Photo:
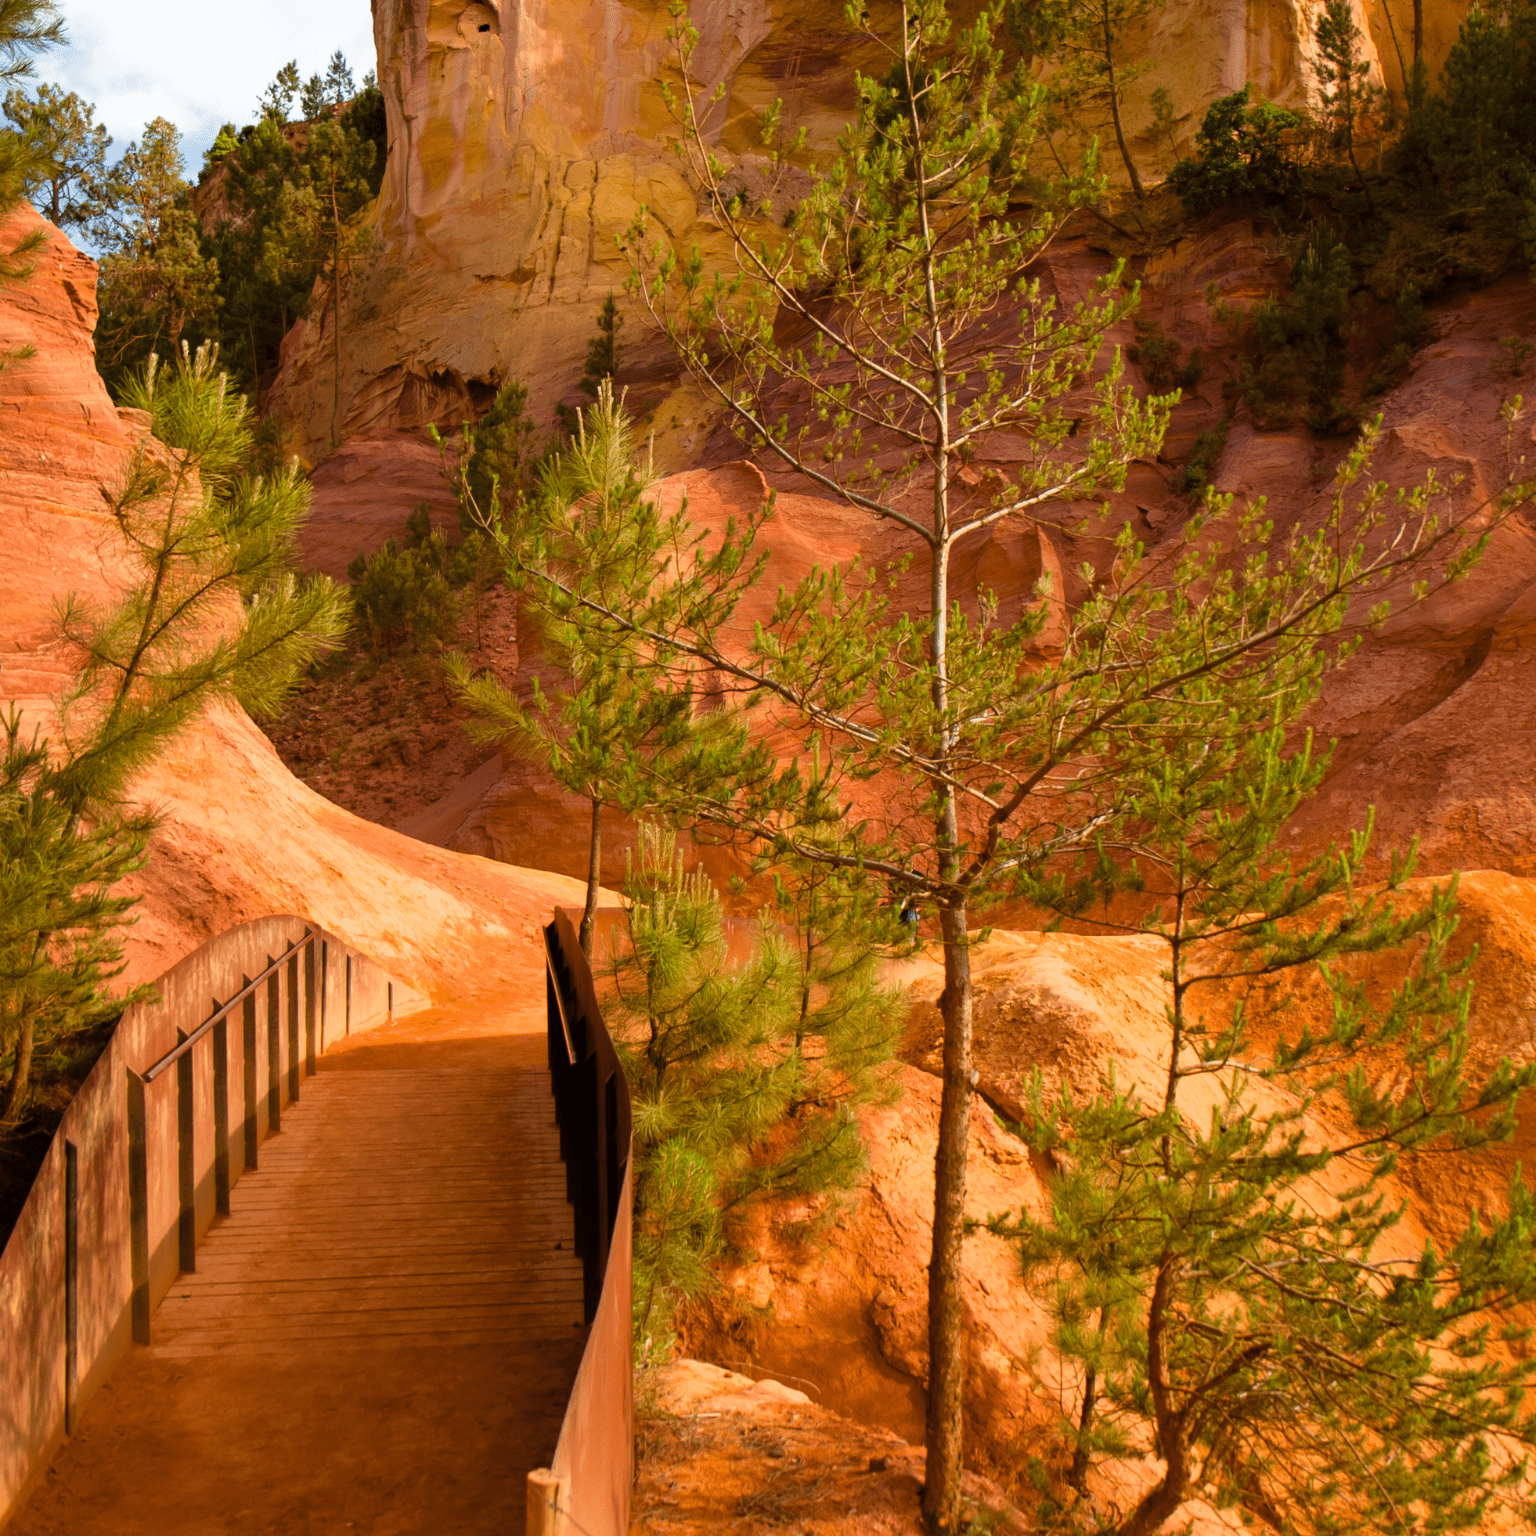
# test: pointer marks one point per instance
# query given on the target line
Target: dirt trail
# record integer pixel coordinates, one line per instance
(380, 1338)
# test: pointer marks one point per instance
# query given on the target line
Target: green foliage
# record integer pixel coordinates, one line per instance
(27, 28)
(1086, 42)
(1201, 465)
(60, 921)
(1296, 367)
(1222, 1244)
(1158, 355)
(1344, 71)
(156, 284)
(1514, 353)
(730, 1104)
(209, 610)
(401, 594)
(500, 464)
(277, 100)
(602, 361)
(1242, 150)
(67, 179)
(606, 732)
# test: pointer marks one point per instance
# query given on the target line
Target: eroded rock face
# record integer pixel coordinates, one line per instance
(523, 139)
(239, 837)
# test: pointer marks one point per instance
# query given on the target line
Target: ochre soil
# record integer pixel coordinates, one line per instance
(383, 737)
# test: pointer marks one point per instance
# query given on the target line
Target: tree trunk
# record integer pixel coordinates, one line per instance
(946, 1329)
(1114, 109)
(1164, 1499)
(594, 877)
(336, 233)
(1417, 85)
(21, 1072)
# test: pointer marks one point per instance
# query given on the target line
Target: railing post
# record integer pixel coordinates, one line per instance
(349, 994)
(186, 1166)
(138, 1208)
(71, 1285)
(248, 1021)
(325, 963)
(274, 1056)
(549, 1497)
(220, 1115)
(309, 1007)
(293, 1026)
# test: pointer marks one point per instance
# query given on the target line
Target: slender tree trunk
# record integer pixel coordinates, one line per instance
(1114, 108)
(594, 878)
(335, 323)
(1166, 1497)
(1418, 84)
(1077, 1474)
(946, 1322)
(21, 1072)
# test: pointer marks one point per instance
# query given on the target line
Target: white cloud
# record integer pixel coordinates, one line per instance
(197, 63)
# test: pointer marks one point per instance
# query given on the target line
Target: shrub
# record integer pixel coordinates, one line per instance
(1242, 150)
(401, 594)
(1158, 356)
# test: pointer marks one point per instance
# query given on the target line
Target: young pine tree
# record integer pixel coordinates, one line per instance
(604, 729)
(1228, 1275)
(1087, 41)
(714, 1053)
(209, 610)
(60, 917)
(875, 346)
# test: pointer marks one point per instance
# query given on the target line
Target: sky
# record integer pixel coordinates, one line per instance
(199, 63)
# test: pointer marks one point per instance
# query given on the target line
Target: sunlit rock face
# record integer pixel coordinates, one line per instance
(526, 134)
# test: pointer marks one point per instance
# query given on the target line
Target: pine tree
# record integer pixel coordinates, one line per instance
(602, 732)
(602, 361)
(901, 271)
(1345, 74)
(60, 919)
(68, 179)
(1086, 41)
(727, 1105)
(1216, 1239)
(156, 284)
(211, 611)
(277, 100)
(27, 28)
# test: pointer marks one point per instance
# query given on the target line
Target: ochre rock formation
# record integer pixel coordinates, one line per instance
(239, 836)
(523, 140)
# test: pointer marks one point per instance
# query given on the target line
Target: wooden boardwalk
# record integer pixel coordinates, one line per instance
(381, 1336)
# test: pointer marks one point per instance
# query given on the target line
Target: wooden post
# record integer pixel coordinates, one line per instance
(549, 1500)
(309, 1008)
(138, 1208)
(186, 1165)
(293, 1026)
(221, 1115)
(71, 1286)
(274, 1055)
(248, 1020)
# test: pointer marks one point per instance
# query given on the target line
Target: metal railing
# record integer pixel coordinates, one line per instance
(586, 1487)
